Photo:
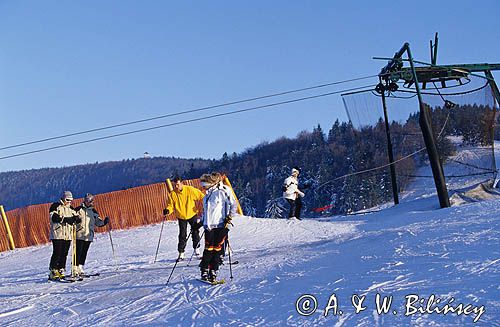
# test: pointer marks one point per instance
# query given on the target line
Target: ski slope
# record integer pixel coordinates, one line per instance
(413, 248)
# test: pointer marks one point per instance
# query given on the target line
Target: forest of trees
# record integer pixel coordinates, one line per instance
(21, 188)
(258, 173)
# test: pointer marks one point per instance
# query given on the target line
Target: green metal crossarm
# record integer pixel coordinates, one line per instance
(469, 67)
(455, 71)
(473, 67)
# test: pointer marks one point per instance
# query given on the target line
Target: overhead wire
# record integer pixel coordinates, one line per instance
(182, 122)
(186, 112)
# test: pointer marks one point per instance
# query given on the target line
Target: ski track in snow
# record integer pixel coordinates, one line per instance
(414, 248)
(447, 252)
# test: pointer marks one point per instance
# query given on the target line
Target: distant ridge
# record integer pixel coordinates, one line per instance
(34, 186)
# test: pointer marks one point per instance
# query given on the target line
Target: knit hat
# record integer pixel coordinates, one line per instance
(89, 198)
(67, 195)
(295, 170)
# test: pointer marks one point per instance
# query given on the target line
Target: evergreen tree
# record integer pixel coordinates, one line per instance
(274, 209)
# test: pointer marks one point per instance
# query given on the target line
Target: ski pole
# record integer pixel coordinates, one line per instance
(112, 245)
(235, 262)
(197, 245)
(230, 264)
(159, 239)
(177, 261)
(73, 256)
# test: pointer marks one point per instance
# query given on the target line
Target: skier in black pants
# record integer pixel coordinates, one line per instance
(182, 202)
(85, 230)
(62, 216)
(292, 194)
(219, 206)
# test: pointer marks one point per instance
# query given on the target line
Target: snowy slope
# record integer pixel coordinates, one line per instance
(413, 248)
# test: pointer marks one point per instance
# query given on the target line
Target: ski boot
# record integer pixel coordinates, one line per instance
(204, 274)
(212, 276)
(61, 273)
(54, 274)
(197, 251)
(181, 256)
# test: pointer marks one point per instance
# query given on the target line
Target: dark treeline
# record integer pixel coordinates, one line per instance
(258, 173)
(21, 188)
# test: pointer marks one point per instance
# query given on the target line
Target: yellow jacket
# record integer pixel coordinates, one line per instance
(183, 203)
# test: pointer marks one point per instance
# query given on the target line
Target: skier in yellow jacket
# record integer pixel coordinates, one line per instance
(182, 202)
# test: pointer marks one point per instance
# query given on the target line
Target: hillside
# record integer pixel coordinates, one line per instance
(21, 188)
(257, 174)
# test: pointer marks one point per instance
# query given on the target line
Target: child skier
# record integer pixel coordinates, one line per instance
(219, 206)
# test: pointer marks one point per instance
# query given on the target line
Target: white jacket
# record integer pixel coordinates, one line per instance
(90, 219)
(291, 186)
(218, 203)
(60, 230)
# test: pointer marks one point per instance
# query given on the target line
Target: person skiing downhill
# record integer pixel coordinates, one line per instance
(85, 231)
(182, 201)
(62, 217)
(219, 206)
(292, 194)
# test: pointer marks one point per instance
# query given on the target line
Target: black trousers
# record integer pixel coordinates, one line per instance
(82, 248)
(60, 250)
(195, 234)
(214, 243)
(295, 206)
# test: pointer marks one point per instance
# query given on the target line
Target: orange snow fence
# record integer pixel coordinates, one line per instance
(128, 208)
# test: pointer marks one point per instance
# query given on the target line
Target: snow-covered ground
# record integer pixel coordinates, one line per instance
(460, 176)
(414, 248)
(410, 249)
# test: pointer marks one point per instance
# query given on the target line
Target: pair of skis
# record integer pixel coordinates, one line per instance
(72, 279)
(75, 276)
(215, 282)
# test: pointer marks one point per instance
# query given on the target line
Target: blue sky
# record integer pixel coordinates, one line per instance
(76, 65)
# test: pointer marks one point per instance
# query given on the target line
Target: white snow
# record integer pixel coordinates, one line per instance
(414, 248)
(410, 249)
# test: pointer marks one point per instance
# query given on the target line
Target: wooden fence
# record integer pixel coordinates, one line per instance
(128, 208)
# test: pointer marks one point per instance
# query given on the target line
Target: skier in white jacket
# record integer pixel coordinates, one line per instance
(219, 206)
(90, 218)
(292, 194)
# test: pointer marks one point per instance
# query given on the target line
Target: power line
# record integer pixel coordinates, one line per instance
(182, 122)
(185, 112)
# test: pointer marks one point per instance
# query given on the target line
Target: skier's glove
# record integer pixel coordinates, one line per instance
(166, 212)
(77, 219)
(198, 224)
(69, 220)
(106, 221)
(56, 218)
